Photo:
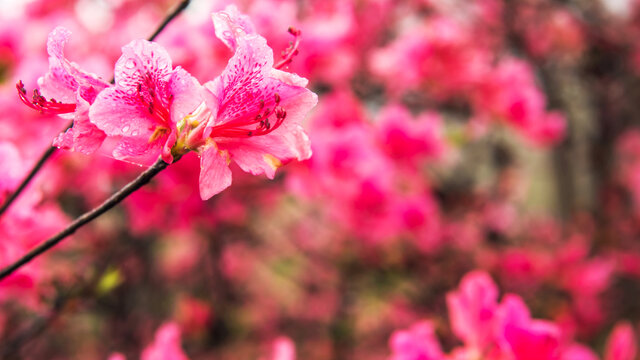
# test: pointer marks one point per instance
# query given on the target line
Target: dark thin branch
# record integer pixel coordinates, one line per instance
(116, 198)
(183, 5)
(52, 150)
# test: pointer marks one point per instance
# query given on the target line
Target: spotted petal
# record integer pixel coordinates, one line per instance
(65, 78)
(230, 26)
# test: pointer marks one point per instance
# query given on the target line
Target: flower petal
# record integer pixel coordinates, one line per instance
(187, 94)
(138, 150)
(84, 136)
(65, 78)
(142, 61)
(244, 82)
(215, 174)
(119, 114)
(230, 25)
(265, 154)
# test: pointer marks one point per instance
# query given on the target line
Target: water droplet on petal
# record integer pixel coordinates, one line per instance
(125, 128)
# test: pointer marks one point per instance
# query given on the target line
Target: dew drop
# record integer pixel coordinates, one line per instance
(125, 128)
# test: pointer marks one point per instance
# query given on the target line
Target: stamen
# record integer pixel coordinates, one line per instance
(291, 51)
(263, 126)
(40, 103)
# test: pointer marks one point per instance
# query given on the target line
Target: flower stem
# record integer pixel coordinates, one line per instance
(51, 150)
(85, 218)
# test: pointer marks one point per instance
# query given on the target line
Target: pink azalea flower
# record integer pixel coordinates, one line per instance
(578, 352)
(251, 114)
(419, 215)
(166, 345)
(621, 344)
(472, 309)
(494, 331)
(283, 348)
(71, 91)
(527, 339)
(140, 113)
(417, 343)
(509, 93)
(553, 32)
(439, 55)
(409, 140)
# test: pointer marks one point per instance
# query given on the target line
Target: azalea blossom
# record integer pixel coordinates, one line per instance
(251, 111)
(499, 330)
(249, 114)
(71, 90)
(141, 111)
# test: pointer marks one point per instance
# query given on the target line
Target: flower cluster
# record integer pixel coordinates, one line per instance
(249, 114)
(491, 330)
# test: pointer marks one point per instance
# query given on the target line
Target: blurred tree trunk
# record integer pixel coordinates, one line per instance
(567, 90)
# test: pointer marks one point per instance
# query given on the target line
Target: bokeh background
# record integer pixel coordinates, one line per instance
(450, 136)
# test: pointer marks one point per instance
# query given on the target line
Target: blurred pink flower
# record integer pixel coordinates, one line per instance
(438, 55)
(509, 93)
(621, 344)
(556, 33)
(166, 345)
(417, 343)
(408, 140)
(472, 309)
(283, 348)
(490, 330)
(527, 339)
